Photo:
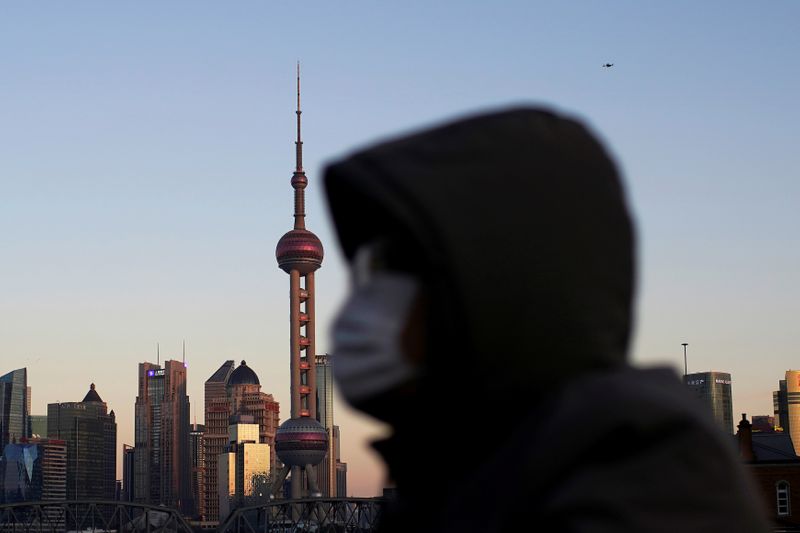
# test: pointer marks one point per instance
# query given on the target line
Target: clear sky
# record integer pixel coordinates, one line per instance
(146, 150)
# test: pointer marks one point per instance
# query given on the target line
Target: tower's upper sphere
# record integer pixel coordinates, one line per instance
(301, 441)
(299, 250)
(299, 180)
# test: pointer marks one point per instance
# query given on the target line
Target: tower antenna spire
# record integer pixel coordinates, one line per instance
(299, 142)
(158, 354)
(184, 352)
(299, 180)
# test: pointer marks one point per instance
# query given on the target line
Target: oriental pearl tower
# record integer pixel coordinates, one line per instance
(301, 442)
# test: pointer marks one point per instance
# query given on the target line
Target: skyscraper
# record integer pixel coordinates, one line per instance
(217, 413)
(128, 462)
(198, 464)
(13, 406)
(162, 474)
(793, 407)
(780, 406)
(33, 470)
(714, 389)
(232, 392)
(246, 398)
(38, 426)
(326, 471)
(90, 433)
(341, 468)
(301, 442)
(28, 409)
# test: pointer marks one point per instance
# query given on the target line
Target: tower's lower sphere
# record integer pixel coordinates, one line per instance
(301, 441)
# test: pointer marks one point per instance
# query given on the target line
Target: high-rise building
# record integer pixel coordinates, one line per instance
(245, 397)
(301, 442)
(232, 392)
(217, 413)
(198, 464)
(128, 462)
(162, 474)
(13, 406)
(38, 425)
(780, 406)
(90, 433)
(714, 390)
(341, 468)
(28, 408)
(341, 479)
(326, 471)
(34, 470)
(793, 407)
(244, 467)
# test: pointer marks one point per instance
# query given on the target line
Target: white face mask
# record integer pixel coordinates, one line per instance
(368, 357)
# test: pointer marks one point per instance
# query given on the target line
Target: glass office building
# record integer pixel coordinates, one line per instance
(198, 464)
(714, 390)
(35, 470)
(90, 432)
(780, 406)
(14, 423)
(326, 470)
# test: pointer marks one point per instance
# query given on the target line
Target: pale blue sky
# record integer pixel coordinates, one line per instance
(146, 150)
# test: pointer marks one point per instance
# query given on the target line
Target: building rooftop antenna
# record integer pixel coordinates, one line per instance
(685, 361)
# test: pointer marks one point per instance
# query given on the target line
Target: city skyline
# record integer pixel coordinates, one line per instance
(144, 179)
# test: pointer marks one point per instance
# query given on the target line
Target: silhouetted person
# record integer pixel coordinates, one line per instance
(488, 323)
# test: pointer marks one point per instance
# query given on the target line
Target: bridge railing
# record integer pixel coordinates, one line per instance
(321, 515)
(83, 516)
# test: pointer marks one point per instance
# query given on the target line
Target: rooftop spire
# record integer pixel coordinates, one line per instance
(299, 180)
(299, 142)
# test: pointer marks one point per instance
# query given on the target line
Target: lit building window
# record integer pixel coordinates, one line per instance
(782, 493)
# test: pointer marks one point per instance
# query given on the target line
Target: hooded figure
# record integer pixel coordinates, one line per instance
(488, 323)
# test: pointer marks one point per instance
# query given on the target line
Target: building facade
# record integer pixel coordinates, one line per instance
(763, 423)
(793, 406)
(243, 468)
(198, 465)
(128, 462)
(14, 423)
(714, 390)
(162, 474)
(775, 469)
(326, 471)
(233, 392)
(90, 433)
(38, 426)
(217, 413)
(34, 470)
(780, 406)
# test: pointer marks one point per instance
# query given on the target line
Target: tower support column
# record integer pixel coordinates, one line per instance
(294, 326)
(311, 350)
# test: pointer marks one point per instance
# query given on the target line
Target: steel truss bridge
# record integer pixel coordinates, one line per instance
(319, 515)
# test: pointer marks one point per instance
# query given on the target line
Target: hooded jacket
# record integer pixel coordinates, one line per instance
(528, 410)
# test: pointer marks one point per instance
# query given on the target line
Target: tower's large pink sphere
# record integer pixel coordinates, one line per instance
(301, 441)
(299, 250)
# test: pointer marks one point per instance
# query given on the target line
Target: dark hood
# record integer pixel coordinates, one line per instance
(525, 243)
